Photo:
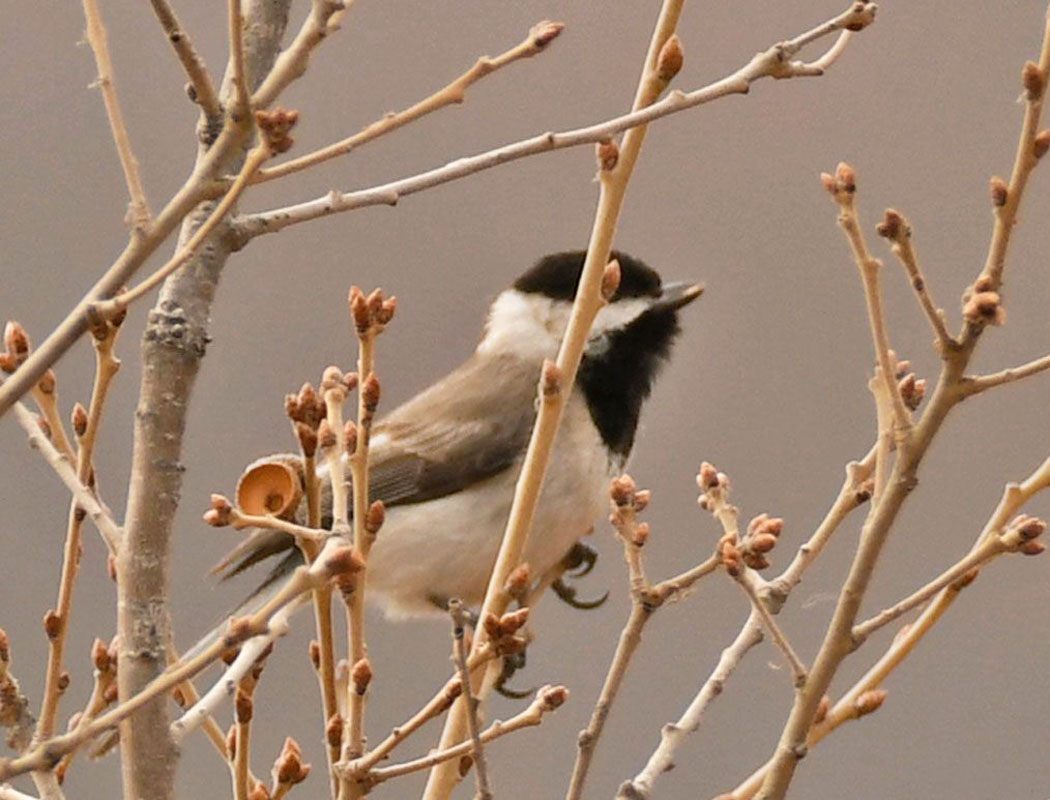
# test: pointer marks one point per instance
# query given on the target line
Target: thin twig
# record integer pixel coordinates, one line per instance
(1014, 497)
(774, 62)
(201, 87)
(971, 385)
(106, 366)
(547, 699)
(646, 599)
(111, 532)
(459, 657)
(852, 493)
(138, 211)
(258, 156)
(896, 227)
(746, 581)
(238, 78)
(453, 93)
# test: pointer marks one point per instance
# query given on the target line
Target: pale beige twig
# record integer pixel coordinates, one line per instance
(138, 211)
(106, 366)
(111, 532)
(201, 87)
(975, 384)
(10, 793)
(775, 62)
(747, 581)
(897, 229)
(646, 599)
(237, 77)
(842, 187)
(853, 492)
(256, 158)
(1014, 497)
(459, 658)
(838, 640)
(451, 94)
(547, 699)
(293, 60)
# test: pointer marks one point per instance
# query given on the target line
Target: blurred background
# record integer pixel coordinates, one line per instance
(769, 381)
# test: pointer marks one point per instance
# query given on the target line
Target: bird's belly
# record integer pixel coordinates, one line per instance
(444, 548)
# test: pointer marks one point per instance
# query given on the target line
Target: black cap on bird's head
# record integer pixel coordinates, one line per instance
(630, 339)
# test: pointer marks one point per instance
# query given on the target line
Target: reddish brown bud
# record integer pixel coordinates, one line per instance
(607, 153)
(100, 657)
(641, 534)
(361, 675)
(466, 762)
(315, 653)
(552, 697)
(763, 542)
(45, 426)
(350, 436)
(730, 557)
(48, 382)
(512, 621)
(1041, 143)
(289, 768)
(275, 126)
(52, 625)
(545, 32)
(998, 190)
(1033, 80)
(845, 178)
(984, 307)
(344, 561)
(370, 393)
(707, 478)
(333, 731)
(375, 517)
(5, 647)
(16, 342)
(754, 560)
(870, 701)
(359, 310)
(63, 681)
(893, 226)
(669, 62)
(243, 707)
(827, 180)
(110, 694)
(332, 381)
(1032, 548)
(325, 435)
(610, 280)
(622, 490)
(1028, 527)
(79, 418)
(641, 499)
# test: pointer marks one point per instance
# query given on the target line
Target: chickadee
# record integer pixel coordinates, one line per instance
(446, 462)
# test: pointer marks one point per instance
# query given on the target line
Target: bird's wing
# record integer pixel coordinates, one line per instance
(471, 425)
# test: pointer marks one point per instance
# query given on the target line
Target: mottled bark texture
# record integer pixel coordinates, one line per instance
(173, 345)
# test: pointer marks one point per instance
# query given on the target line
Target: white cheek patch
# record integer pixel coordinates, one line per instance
(527, 326)
(619, 314)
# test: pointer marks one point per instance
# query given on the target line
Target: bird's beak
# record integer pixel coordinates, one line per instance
(674, 296)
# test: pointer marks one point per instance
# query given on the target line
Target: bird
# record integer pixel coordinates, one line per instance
(445, 462)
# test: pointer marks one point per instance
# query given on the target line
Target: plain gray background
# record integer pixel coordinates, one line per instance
(769, 380)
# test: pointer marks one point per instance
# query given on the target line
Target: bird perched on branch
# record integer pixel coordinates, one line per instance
(445, 463)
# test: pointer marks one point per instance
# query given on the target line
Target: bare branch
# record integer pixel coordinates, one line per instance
(770, 63)
(138, 211)
(453, 93)
(459, 657)
(976, 384)
(897, 229)
(201, 88)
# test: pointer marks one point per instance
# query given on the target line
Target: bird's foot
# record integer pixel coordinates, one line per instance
(579, 561)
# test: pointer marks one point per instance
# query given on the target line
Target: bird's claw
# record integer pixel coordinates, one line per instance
(580, 560)
(567, 594)
(511, 664)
